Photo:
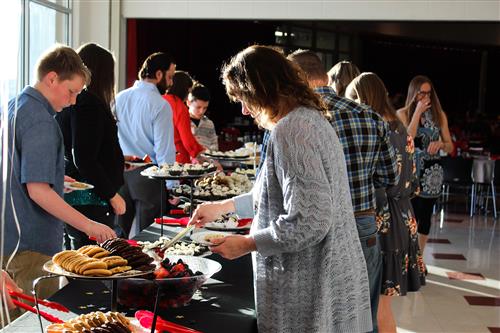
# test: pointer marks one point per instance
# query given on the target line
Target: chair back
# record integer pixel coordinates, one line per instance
(497, 172)
(457, 170)
(483, 171)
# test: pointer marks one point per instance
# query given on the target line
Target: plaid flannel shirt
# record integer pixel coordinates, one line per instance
(369, 155)
(263, 150)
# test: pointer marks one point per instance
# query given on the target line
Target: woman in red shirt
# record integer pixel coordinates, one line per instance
(186, 144)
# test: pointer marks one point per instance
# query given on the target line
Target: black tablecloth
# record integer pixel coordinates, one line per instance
(225, 306)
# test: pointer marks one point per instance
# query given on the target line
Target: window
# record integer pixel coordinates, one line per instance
(325, 40)
(31, 27)
(48, 23)
(301, 37)
(10, 20)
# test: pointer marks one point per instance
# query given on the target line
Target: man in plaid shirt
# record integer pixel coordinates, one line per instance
(370, 160)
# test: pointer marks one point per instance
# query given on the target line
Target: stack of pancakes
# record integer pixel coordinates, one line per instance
(135, 257)
(94, 322)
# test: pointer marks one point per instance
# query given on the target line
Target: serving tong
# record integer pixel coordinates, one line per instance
(178, 237)
(147, 320)
(47, 316)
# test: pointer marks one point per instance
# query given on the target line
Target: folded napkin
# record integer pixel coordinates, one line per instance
(244, 222)
(132, 242)
(183, 221)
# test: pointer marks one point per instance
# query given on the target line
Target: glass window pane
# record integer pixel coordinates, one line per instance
(10, 20)
(280, 35)
(328, 61)
(46, 27)
(344, 56)
(344, 43)
(325, 40)
(301, 37)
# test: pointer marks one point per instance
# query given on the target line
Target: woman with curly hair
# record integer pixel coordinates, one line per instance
(309, 270)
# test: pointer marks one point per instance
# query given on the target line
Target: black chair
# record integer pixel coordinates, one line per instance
(457, 176)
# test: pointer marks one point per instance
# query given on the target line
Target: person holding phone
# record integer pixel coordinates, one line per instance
(427, 123)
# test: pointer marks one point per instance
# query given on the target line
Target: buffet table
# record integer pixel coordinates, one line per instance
(224, 304)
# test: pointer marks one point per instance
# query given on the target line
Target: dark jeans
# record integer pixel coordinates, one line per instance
(368, 236)
(74, 238)
(142, 196)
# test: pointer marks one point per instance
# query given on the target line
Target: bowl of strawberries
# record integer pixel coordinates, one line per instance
(177, 278)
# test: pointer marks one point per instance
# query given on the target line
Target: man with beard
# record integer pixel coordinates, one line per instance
(145, 127)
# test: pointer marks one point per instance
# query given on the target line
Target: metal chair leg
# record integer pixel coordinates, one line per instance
(486, 199)
(494, 198)
(472, 199)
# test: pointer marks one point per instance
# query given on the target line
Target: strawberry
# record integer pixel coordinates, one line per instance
(161, 273)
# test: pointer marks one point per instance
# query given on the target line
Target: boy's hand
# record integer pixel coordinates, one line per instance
(99, 231)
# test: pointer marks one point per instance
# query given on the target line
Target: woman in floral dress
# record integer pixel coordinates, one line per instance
(426, 122)
(402, 269)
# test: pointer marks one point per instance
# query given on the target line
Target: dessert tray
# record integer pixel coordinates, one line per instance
(50, 267)
(136, 161)
(216, 187)
(247, 172)
(179, 248)
(179, 171)
(238, 154)
(113, 259)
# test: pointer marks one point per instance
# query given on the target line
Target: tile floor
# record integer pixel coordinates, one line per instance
(463, 286)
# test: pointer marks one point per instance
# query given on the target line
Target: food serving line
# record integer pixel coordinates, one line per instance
(225, 303)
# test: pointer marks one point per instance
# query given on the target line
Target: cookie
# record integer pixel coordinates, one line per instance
(120, 269)
(114, 261)
(96, 264)
(85, 248)
(97, 272)
(79, 268)
(91, 252)
(103, 254)
(59, 257)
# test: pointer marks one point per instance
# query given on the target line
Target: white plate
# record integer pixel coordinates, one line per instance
(221, 227)
(137, 164)
(84, 186)
(199, 237)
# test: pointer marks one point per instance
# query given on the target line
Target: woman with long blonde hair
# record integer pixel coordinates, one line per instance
(402, 271)
(427, 123)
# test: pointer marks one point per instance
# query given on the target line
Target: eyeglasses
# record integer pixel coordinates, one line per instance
(424, 93)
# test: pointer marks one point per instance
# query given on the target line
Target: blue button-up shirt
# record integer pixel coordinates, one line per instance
(145, 123)
(37, 156)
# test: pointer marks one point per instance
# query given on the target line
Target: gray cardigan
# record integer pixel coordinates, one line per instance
(309, 270)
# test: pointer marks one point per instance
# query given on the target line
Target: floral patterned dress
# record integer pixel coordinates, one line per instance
(429, 170)
(403, 266)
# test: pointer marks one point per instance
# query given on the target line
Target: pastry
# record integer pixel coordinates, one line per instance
(97, 272)
(114, 261)
(97, 264)
(120, 269)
